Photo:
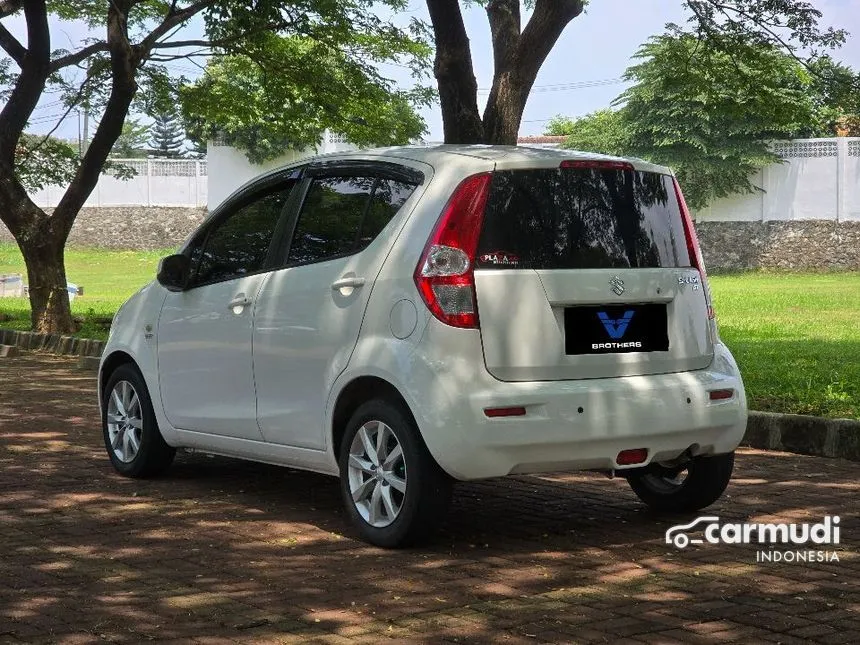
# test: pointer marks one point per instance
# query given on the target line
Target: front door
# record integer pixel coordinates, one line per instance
(205, 332)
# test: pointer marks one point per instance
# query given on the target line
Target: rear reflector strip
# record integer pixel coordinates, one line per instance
(505, 412)
(629, 457)
(720, 395)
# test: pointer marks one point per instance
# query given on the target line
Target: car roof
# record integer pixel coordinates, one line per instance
(507, 156)
(504, 157)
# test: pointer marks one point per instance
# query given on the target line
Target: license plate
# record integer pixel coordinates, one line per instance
(615, 329)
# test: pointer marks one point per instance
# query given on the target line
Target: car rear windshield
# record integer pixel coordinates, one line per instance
(581, 218)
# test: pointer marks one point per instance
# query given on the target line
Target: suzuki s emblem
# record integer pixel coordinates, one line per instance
(617, 285)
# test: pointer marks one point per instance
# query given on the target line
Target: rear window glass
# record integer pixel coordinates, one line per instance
(581, 219)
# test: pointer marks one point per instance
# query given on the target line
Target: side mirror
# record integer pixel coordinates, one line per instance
(174, 272)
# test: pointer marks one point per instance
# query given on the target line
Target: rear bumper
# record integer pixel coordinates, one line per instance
(573, 425)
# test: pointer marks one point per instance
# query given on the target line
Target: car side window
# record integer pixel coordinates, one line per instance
(342, 215)
(388, 196)
(330, 218)
(239, 244)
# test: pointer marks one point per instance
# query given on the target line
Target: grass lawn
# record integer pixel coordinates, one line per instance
(108, 279)
(796, 336)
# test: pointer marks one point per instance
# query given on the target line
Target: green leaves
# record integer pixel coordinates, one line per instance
(603, 131)
(791, 25)
(290, 92)
(168, 136)
(133, 141)
(709, 113)
(42, 161)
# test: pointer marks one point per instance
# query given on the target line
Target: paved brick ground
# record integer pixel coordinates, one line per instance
(226, 551)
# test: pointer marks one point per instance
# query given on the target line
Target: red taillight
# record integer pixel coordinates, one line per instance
(630, 457)
(518, 411)
(693, 248)
(445, 274)
(596, 164)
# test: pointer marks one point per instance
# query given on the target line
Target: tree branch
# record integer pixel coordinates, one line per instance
(172, 19)
(12, 46)
(505, 27)
(13, 118)
(455, 76)
(79, 56)
(549, 19)
(518, 58)
(31, 81)
(8, 7)
(124, 62)
(173, 44)
(78, 95)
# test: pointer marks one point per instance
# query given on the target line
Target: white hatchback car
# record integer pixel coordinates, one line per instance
(406, 317)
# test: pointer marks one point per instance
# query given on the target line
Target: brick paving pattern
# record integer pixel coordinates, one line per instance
(223, 551)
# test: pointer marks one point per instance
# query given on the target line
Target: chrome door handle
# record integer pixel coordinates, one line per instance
(240, 300)
(347, 283)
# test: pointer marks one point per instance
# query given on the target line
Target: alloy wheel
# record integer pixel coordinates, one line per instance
(124, 421)
(377, 474)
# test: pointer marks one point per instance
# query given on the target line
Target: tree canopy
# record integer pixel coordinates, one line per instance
(168, 135)
(708, 113)
(603, 131)
(132, 141)
(289, 97)
(42, 161)
(122, 68)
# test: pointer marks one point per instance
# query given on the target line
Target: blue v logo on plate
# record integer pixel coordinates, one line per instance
(616, 328)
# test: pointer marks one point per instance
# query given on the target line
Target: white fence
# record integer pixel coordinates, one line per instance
(820, 180)
(157, 182)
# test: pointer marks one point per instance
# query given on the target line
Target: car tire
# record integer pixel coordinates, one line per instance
(706, 480)
(131, 435)
(394, 491)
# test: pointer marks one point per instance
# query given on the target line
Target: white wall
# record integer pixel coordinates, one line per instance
(157, 182)
(820, 180)
(229, 168)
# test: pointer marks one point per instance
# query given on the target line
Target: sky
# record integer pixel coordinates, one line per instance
(596, 48)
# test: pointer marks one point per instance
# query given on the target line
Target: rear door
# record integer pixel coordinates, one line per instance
(583, 272)
(310, 312)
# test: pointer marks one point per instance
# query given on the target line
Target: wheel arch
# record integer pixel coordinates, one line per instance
(109, 365)
(358, 391)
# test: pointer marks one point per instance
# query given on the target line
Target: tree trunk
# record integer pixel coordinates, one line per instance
(518, 54)
(42, 237)
(455, 78)
(49, 299)
(42, 246)
(505, 107)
